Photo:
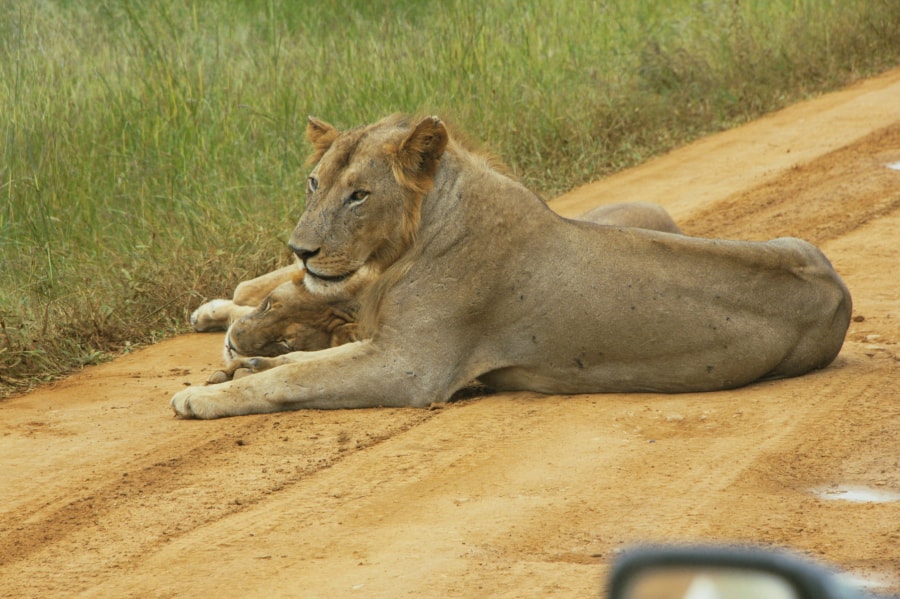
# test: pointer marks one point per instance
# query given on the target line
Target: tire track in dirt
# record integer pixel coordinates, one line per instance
(497, 504)
(495, 481)
(698, 176)
(819, 201)
(142, 492)
(847, 437)
(868, 260)
(130, 499)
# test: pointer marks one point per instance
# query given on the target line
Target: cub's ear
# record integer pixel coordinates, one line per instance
(416, 158)
(321, 135)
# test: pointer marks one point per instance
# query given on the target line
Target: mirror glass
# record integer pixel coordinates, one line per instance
(703, 582)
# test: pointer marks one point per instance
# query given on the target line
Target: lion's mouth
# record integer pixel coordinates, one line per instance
(329, 278)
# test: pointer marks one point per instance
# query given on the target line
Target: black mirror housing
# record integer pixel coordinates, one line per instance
(800, 578)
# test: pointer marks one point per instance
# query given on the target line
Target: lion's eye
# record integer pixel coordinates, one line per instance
(357, 197)
(312, 184)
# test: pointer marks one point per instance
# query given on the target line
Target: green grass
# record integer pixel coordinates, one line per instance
(152, 152)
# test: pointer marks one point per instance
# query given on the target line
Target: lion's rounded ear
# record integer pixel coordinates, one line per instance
(321, 135)
(418, 155)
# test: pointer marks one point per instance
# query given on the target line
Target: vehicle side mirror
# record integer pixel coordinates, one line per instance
(721, 573)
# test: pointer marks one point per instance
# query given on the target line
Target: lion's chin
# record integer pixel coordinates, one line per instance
(329, 278)
(338, 286)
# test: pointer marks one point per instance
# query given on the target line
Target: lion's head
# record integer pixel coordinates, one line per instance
(364, 199)
(290, 319)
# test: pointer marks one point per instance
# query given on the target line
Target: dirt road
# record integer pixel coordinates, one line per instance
(103, 493)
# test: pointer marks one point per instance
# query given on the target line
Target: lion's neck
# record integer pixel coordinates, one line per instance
(471, 210)
(468, 195)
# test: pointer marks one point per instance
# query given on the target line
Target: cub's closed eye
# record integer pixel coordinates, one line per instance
(357, 197)
(312, 184)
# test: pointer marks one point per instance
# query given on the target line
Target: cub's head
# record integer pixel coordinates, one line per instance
(290, 319)
(364, 198)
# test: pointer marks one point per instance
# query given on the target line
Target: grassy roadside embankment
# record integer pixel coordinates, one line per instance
(152, 153)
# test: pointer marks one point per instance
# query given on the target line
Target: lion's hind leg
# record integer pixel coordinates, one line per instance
(641, 215)
(826, 307)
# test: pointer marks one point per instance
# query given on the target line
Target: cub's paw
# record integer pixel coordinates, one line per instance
(223, 376)
(214, 315)
(244, 366)
(218, 377)
(241, 367)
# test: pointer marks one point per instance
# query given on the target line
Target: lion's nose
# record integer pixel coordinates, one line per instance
(303, 253)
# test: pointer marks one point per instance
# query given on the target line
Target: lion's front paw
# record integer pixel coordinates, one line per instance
(197, 402)
(181, 403)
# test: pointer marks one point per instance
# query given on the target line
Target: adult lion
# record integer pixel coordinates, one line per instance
(475, 277)
(291, 318)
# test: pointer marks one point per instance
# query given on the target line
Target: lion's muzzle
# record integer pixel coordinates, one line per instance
(303, 253)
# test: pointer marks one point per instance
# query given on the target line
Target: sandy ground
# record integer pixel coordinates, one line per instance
(103, 493)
